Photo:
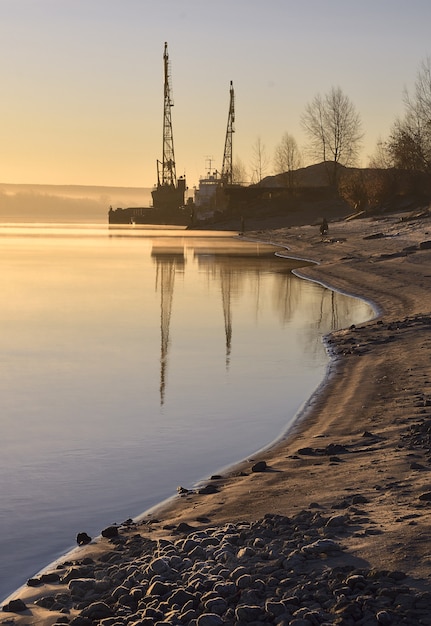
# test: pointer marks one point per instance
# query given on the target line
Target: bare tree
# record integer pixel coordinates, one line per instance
(239, 172)
(259, 162)
(381, 159)
(409, 144)
(287, 157)
(334, 129)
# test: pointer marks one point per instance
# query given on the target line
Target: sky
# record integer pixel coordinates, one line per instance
(82, 80)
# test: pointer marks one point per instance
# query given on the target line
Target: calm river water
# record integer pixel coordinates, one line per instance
(133, 361)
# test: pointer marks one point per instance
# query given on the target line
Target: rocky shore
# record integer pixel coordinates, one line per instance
(276, 570)
(330, 526)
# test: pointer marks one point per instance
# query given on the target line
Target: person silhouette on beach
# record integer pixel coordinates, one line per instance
(324, 227)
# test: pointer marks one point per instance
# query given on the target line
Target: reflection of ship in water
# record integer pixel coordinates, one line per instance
(169, 259)
(227, 264)
(219, 260)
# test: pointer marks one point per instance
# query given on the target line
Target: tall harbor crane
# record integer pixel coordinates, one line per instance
(166, 172)
(169, 193)
(227, 167)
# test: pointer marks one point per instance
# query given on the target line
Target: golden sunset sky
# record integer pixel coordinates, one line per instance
(82, 80)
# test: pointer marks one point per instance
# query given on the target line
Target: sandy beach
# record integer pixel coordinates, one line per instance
(353, 471)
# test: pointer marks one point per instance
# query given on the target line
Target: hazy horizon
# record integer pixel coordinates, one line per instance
(71, 203)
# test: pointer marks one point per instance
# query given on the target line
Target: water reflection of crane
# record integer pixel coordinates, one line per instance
(168, 261)
(226, 289)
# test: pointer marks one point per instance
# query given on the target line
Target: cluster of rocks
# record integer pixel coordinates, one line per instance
(275, 571)
(356, 340)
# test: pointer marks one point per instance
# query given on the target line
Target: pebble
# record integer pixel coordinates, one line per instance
(273, 571)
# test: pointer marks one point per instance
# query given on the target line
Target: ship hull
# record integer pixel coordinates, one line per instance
(144, 215)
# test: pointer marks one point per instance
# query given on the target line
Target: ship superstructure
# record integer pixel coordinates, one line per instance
(210, 193)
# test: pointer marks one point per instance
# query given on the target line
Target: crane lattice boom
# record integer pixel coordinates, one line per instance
(167, 176)
(227, 168)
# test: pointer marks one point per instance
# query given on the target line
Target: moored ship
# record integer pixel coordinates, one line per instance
(169, 194)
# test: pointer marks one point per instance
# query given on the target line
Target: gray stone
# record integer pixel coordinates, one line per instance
(110, 532)
(15, 606)
(244, 581)
(321, 546)
(159, 588)
(260, 466)
(82, 539)
(248, 613)
(216, 605)
(209, 619)
(336, 521)
(275, 608)
(182, 597)
(97, 610)
(245, 553)
(225, 589)
(80, 586)
(160, 566)
(208, 489)
(384, 618)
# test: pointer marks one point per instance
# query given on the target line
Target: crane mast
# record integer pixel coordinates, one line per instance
(167, 175)
(227, 168)
(169, 194)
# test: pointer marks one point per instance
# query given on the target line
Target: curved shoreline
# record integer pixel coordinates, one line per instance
(375, 386)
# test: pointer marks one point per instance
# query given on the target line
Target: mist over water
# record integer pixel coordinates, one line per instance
(66, 203)
(133, 361)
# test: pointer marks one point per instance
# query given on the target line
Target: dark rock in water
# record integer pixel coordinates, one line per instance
(110, 532)
(15, 606)
(260, 466)
(82, 539)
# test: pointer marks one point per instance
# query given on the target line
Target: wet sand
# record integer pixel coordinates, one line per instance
(361, 446)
